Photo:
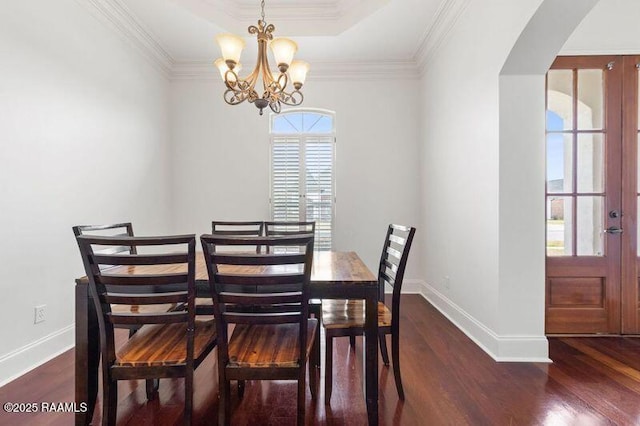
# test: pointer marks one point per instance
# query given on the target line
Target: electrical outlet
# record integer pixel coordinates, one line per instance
(447, 281)
(39, 314)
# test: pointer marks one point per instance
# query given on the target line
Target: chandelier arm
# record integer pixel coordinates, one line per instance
(233, 97)
(275, 106)
(267, 76)
(282, 81)
(232, 81)
(294, 98)
(253, 78)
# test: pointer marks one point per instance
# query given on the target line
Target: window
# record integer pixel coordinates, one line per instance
(302, 170)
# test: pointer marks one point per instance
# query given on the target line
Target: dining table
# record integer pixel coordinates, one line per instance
(334, 275)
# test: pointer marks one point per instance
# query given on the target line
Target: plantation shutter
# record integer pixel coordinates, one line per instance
(302, 171)
(319, 194)
(285, 178)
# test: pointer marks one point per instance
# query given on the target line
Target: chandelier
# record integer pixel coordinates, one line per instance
(274, 84)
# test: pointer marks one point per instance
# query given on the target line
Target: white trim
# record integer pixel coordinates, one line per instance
(318, 12)
(116, 15)
(195, 70)
(364, 70)
(500, 348)
(446, 17)
(125, 23)
(22, 360)
(302, 18)
(204, 70)
(631, 50)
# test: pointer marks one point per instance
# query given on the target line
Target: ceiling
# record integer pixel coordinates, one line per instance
(327, 31)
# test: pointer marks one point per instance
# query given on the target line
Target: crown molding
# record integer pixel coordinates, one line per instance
(194, 70)
(446, 17)
(205, 70)
(288, 11)
(302, 18)
(363, 70)
(125, 23)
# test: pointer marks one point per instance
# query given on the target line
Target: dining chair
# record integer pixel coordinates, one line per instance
(124, 229)
(230, 228)
(168, 344)
(282, 228)
(238, 228)
(347, 317)
(265, 297)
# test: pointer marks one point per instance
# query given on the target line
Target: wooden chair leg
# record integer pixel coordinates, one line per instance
(383, 348)
(328, 369)
(152, 388)
(109, 402)
(241, 384)
(316, 351)
(224, 404)
(188, 396)
(395, 352)
(313, 371)
(301, 397)
(352, 342)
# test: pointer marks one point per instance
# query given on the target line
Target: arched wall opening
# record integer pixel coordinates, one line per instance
(522, 167)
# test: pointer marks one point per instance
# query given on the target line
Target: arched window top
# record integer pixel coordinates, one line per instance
(303, 121)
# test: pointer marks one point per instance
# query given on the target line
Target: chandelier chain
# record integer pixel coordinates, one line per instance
(262, 6)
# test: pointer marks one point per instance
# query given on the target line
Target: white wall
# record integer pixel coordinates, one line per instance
(223, 151)
(461, 159)
(610, 28)
(83, 139)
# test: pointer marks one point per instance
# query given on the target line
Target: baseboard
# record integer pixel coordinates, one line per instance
(22, 360)
(500, 348)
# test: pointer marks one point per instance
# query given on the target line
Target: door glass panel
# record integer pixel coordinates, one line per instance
(590, 99)
(560, 96)
(590, 159)
(559, 226)
(559, 163)
(590, 226)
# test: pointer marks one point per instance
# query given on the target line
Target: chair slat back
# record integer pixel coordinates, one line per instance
(393, 261)
(165, 275)
(124, 229)
(289, 228)
(282, 228)
(267, 288)
(238, 228)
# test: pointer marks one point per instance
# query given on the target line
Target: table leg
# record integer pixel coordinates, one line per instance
(87, 354)
(371, 355)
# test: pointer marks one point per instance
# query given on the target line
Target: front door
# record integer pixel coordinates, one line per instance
(592, 195)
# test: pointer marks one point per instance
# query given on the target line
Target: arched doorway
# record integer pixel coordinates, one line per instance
(521, 206)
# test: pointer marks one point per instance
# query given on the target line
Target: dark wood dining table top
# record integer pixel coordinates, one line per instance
(328, 268)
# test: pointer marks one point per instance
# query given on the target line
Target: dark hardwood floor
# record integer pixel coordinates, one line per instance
(448, 380)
